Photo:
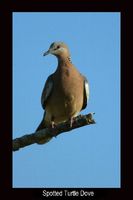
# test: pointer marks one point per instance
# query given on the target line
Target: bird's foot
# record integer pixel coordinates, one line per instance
(71, 121)
(53, 125)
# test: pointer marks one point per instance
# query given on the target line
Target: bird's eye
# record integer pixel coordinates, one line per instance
(57, 47)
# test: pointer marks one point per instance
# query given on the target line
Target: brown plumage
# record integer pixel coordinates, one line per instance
(65, 92)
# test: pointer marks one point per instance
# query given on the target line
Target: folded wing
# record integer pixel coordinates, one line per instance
(85, 93)
(47, 90)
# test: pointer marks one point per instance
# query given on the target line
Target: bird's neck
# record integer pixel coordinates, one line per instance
(64, 60)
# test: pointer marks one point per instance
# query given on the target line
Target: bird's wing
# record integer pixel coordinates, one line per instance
(47, 90)
(86, 92)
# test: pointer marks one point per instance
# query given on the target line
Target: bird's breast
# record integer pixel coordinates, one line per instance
(67, 97)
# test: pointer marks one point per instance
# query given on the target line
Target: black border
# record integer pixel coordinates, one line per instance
(6, 100)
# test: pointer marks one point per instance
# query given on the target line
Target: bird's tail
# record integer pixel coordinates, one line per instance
(40, 127)
(42, 124)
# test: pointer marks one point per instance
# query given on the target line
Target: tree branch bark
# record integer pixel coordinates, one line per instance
(45, 135)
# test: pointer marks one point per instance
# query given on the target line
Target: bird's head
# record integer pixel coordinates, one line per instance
(58, 49)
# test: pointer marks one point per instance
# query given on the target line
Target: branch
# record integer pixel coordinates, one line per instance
(43, 136)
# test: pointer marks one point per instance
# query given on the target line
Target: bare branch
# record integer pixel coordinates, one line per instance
(45, 135)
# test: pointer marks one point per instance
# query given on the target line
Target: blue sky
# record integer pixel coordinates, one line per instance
(85, 157)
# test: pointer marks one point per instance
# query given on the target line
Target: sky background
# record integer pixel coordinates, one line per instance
(88, 156)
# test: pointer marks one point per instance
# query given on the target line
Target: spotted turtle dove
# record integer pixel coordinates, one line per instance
(65, 92)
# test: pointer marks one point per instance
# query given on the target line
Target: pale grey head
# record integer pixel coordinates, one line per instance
(58, 49)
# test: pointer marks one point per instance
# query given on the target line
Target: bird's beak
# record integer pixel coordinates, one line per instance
(46, 53)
